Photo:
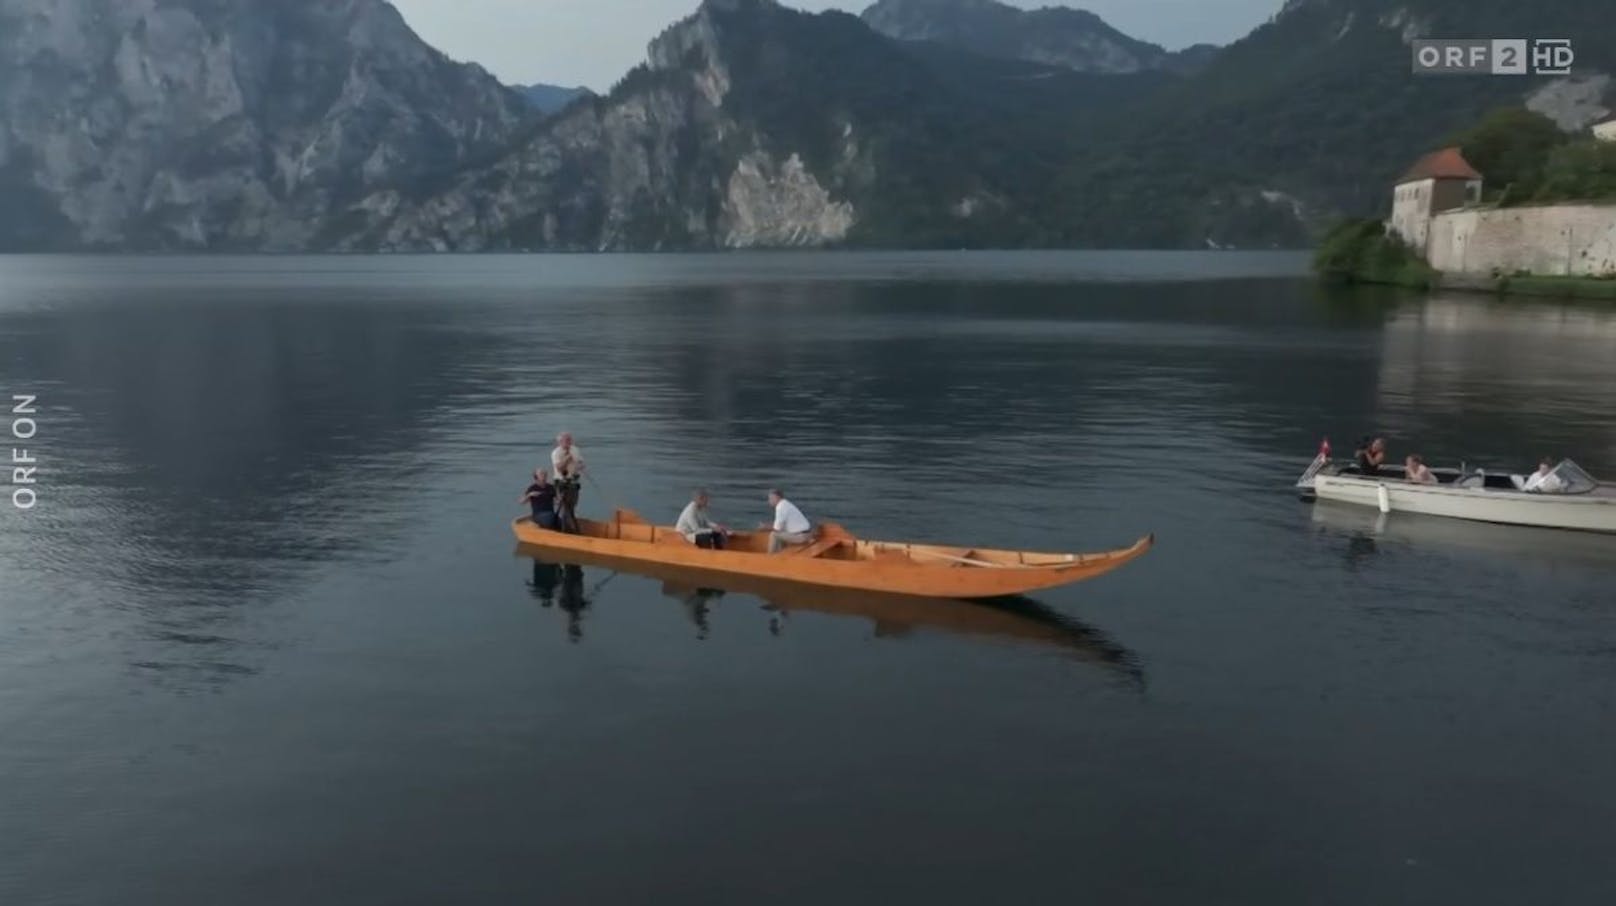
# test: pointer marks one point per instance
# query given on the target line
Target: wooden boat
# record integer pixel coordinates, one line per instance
(892, 616)
(836, 559)
(1579, 502)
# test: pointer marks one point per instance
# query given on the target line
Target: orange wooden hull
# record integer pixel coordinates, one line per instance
(837, 560)
(1014, 619)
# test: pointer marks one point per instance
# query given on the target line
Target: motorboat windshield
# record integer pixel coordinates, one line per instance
(1573, 480)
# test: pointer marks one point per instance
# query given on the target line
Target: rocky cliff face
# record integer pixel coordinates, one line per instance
(662, 162)
(1070, 38)
(192, 124)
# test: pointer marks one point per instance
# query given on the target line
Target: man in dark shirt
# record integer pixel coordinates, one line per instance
(541, 495)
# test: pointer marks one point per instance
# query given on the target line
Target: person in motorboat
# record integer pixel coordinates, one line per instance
(790, 526)
(1371, 456)
(698, 526)
(1416, 471)
(1544, 480)
(541, 496)
(568, 462)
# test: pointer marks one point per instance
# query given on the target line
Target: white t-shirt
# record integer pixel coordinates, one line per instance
(787, 518)
(559, 456)
(1545, 483)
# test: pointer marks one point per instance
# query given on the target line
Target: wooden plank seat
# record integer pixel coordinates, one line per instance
(818, 548)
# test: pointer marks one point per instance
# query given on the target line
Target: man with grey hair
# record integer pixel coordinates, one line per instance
(568, 462)
(790, 526)
(697, 526)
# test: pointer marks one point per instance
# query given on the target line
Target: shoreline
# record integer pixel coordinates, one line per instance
(1530, 285)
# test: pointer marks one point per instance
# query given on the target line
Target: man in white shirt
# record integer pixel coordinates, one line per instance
(567, 459)
(1544, 481)
(790, 525)
(698, 527)
(568, 462)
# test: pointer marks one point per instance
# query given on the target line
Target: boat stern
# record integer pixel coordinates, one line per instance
(1321, 462)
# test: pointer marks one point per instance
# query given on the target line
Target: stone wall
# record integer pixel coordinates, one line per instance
(1411, 212)
(1549, 240)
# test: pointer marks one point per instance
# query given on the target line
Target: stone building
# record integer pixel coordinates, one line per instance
(1439, 181)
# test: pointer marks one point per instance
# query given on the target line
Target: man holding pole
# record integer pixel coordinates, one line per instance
(568, 462)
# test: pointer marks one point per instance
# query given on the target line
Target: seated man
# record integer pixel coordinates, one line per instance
(698, 527)
(1415, 470)
(1371, 456)
(790, 525)
(541, 495)
(1544, 481)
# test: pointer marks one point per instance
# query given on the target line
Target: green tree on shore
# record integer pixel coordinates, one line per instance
(1361, 251)
(1580, 171)
(1511, 146)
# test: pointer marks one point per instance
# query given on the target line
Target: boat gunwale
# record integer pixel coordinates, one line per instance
(1071, 561)
(1602, 494)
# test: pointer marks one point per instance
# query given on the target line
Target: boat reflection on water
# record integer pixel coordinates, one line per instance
(562, 585)
(893, 616)
(698, 604)
(1367, 528)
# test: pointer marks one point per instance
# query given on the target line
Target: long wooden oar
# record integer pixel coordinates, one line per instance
(605, 497)
(600, 585)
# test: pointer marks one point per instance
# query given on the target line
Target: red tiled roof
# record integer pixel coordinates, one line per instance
(1445, 164)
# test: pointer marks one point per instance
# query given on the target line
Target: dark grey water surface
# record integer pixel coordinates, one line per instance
(265, 637)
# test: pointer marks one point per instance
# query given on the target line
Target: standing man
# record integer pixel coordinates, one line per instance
(697, 526)
(790, 525)
(568, 462)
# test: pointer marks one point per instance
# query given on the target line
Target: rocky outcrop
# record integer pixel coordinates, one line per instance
(208, 124)
(611, 174)
(1575, 102)
(780, 204)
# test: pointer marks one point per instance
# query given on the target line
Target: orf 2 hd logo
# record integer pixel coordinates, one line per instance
(1494, 56)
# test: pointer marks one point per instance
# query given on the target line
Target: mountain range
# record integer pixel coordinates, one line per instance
(225, 124)
(1059, 36)
(329, 125)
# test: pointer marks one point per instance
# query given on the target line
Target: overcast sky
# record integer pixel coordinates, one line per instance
(593, 42)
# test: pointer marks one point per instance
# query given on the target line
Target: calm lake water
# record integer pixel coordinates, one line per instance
(265, 638)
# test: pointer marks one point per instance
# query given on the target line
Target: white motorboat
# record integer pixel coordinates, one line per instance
(1578, 501)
